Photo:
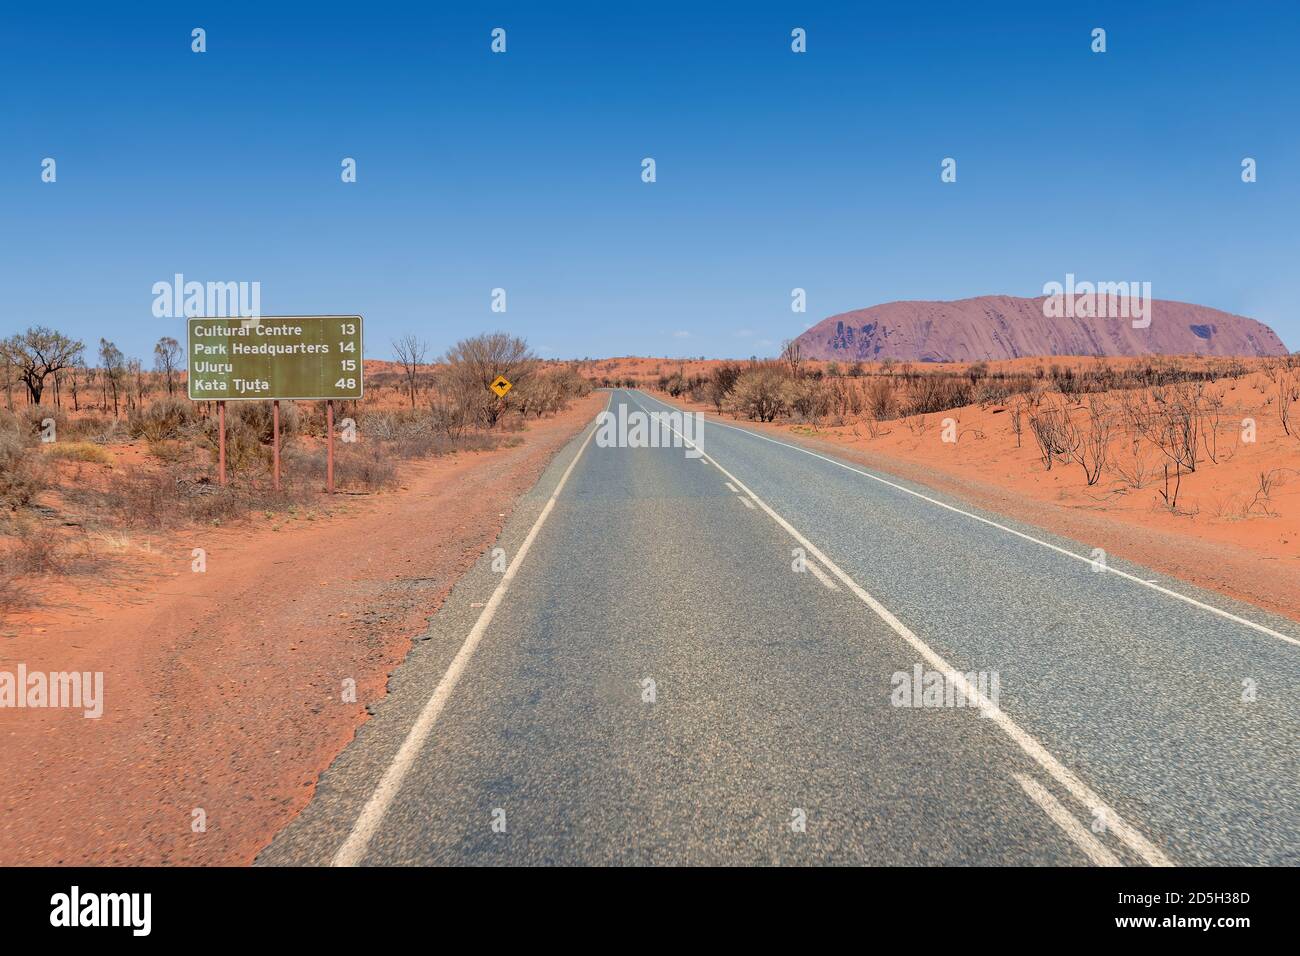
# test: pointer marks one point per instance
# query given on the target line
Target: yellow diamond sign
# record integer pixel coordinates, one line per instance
(501, 386)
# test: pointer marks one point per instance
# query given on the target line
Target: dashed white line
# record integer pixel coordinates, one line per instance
(734, 490)
(746, 502)
(1075, 830)
(1081, 792)
(372, 814)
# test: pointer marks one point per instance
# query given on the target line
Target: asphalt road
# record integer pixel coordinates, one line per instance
(651, 681)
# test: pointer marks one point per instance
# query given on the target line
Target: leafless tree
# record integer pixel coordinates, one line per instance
(114, 369)
(411, 352)
(792, 355)
(1057, 437)
(166, 358)
(1094, 440)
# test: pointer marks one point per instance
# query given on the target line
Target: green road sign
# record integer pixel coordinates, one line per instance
(276, 356)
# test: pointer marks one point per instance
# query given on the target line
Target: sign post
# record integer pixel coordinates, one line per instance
(221, 441)
(275, 442)
(276, 358)
(329, 446)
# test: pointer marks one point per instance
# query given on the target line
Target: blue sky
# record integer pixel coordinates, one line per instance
(522, 170)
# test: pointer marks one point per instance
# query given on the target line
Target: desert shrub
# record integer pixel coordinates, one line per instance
(36, 550)
(80, 451)
(721, 383)
(24, 473)
(572, 384)
(367, 468)
(169, 451)
(1058, 438)
(133, 497)
(541, 395)
(163, 419)
(451, 412)
(84, 428)
(311, 416)
(473, 364)
(807, 398)
(881, 399)
(937, 393)
(674, 384)
(13, 596)
(258, 419)
(34, 418)
(407, 434)
(249, 434)
(991, 392)
(389, 424)
(759, 394)
(159, 498)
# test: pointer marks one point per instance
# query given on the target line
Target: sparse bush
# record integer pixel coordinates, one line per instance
(169, 451)
(1055, 432)
(473, 364)
(24, 473)
(882, 404)
(1094, 440)
(451, 413)
(80, 451)
(367, 469)
(807, 398)
(935, 393)
(759, 394)
(13, 596)
(166, 418)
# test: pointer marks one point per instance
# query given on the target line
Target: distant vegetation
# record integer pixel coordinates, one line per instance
(126, 453)
(1143, 422)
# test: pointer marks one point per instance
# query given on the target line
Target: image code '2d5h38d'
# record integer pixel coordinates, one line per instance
(299, 357)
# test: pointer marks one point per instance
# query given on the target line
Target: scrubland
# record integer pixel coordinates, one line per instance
(107, 463)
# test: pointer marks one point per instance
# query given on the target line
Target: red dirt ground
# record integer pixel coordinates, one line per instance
(223, 689)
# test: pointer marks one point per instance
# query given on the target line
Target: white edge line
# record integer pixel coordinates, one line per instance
(1075, 830)
(372, 814)
(1057, 770)
(1019, 534)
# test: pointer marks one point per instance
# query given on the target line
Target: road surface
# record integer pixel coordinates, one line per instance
(643, 675)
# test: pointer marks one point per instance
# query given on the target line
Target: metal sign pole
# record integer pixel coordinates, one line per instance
(275, 440)
(221, 442)
(329, 446)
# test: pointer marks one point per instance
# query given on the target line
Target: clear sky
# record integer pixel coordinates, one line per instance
(775, 170)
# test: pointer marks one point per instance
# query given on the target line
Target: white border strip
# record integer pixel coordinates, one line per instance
(372, 814)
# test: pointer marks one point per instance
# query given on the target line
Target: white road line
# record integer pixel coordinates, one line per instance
(733, 488)
(745, 501)
(372, 814)
(1019, 534)
(1054, 768)
(820, 575)
(1075, 830)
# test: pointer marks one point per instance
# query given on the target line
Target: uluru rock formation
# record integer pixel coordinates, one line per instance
(1004, 327)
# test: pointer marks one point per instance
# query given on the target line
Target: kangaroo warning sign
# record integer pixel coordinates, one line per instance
(300, 357)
